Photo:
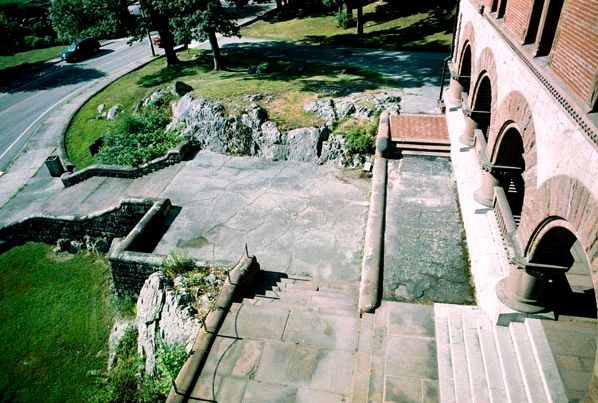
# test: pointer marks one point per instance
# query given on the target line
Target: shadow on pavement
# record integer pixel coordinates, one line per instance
(54, 76)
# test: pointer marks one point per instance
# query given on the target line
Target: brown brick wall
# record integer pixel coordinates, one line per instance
(575, 54)
(517, 17)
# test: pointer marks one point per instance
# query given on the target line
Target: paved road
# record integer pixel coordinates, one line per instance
(26, 104)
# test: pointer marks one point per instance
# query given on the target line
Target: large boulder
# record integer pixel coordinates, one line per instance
(180, 88)
(270, 142)
(334, 151)
(305, 144)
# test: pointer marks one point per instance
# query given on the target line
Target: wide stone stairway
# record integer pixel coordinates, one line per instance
(295, 341)
(481, 362)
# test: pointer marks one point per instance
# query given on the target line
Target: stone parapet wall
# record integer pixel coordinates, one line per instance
(173, 156)
(131, 219)
(110, 223)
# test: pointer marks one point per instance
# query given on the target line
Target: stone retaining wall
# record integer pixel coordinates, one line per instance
(132, 219)
(174, 156)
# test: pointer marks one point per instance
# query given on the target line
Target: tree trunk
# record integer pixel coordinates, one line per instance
(218, 61)
(278, 3)
(167, 43)
(359, 19)
(340, 6)
(350, 11)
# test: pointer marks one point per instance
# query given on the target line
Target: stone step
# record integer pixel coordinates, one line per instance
(422, 145)
(338, 310)
(361, 373)
(319, 285)
(426, 153)
(481, 362)
(313, 297)
(378, 360)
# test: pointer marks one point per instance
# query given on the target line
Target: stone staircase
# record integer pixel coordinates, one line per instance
(481, 362)
(293, 340)
(426, 147)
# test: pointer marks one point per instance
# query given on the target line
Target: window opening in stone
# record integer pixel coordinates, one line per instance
(547, 32)
(465, 73)
(481, 109)
(509, 167)
(502, 7)
(534, 22)
(494, 6)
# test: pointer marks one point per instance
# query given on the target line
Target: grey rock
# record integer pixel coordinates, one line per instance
(155, 99)
(63, 245)
(304, 143)
(101, 108)
(270, 142)
(112, 112)
(76, 246)
(101, 245)
(254, 117)
(163, 316)
(180, 88)
(334, 151)
(323, 108)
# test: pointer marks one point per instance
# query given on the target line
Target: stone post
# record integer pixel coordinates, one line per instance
(470, 127)
(523, 289)
(455, 91)
(485, 193)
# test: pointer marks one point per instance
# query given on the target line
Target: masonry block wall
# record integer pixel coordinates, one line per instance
(575, 53)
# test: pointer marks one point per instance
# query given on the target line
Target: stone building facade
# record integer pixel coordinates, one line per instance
(525, 73)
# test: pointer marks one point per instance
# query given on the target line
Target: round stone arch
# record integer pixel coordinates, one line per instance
(566, 202)
(515, 112)
(468, 38)
(563, 203)
(485, 67)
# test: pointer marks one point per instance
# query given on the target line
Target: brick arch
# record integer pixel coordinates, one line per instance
(485, 66)
(563, 201)
(468, 38)
(515, 112)
(562, 198)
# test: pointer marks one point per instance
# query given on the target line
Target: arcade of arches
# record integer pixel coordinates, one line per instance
(550, 227)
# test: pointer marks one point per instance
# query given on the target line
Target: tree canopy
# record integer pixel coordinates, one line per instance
(176, 21)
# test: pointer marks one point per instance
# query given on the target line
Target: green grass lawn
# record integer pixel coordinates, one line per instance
(55, 323)
(412, 26)
(290, 86)
(24, 60)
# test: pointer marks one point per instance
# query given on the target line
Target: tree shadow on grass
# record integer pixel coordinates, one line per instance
(411, 37)
(376, 67)
(169, 73)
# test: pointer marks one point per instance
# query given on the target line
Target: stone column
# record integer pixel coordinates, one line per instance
(470, 127)
(523, 289)
(454, 92)
(485, 193)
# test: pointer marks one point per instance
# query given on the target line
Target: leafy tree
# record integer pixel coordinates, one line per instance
(8, 32)
(72, 19)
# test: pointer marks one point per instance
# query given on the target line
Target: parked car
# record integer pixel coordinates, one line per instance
(81, 49)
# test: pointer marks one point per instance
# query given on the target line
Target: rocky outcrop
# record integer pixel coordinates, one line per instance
(253, 134)
(334, 110)
(163, 316)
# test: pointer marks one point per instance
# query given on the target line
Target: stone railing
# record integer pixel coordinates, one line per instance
(174, 156)
(506, 222)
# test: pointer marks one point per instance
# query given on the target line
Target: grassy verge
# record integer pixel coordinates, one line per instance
(25, 60)
(425, 26)
(55, 324)
(285, 88)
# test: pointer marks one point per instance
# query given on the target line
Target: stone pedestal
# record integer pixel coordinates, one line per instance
(468, 133)
(523, 290)
(485, 193)
(454, 92)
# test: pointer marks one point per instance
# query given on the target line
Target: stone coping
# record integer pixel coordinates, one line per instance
(174, 156)
(237, 279)
(373, 248)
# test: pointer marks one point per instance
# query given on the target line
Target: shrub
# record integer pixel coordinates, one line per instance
(125, 305)
(175, 264)
(341, 20)
(137, 139)
(361, 137)
(169, 361)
